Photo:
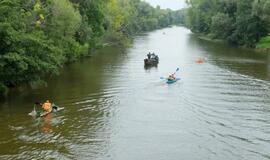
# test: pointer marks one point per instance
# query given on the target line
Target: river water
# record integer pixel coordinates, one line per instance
(115, 109)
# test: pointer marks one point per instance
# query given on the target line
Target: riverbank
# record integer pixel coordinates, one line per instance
(208, 38)
(261, 47)
(264, 44)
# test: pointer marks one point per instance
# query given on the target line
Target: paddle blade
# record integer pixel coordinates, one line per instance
(33, 113)
(38, 103)
(177, 69)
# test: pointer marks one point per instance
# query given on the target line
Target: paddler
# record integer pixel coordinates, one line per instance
(171, 77)
(47, 106)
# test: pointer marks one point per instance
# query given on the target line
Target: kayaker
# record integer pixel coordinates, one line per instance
(172, 77)
(47, 106)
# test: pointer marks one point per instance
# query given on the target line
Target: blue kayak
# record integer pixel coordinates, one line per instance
(169, 81)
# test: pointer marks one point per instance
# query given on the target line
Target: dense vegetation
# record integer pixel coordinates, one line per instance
(239, 22)
(39, 36)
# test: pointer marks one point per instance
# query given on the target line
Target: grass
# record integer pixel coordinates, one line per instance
(264, 43)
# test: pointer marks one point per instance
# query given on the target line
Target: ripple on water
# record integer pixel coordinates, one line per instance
(231, 106)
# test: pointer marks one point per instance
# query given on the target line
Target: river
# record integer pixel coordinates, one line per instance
(115, 109)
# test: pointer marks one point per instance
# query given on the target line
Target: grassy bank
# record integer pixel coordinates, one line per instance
(264, 44)
(209, 38)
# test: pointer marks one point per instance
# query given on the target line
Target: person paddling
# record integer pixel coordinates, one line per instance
(47, 106)
(172, 77)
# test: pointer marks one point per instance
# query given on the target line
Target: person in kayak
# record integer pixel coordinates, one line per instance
(172, 77)
(47, 106)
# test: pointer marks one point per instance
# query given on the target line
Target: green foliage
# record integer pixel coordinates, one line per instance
(221, 25)
(63, 20)
(132, 16)
(92, 26)
(3, 90)
(63, 23)
(240, 22)
(26, 55)
(264, 42)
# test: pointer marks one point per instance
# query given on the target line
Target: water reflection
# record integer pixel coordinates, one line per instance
(148, 67)
(47, 126)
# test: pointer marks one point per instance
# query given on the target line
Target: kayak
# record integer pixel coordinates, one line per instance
(170, 81)
(35, 113)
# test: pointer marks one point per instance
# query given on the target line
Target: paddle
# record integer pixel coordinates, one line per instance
(38, 103)
(176, 70)
(34, 112)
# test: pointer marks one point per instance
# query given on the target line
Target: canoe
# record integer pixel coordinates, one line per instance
(43, 114)
(169, 81)
(152, 59)
(150, 62)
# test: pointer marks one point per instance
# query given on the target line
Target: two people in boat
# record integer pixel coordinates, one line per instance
(152, 56)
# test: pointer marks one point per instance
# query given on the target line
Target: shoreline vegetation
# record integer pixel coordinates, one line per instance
(243, 23)
(222, 41)
(38, 37)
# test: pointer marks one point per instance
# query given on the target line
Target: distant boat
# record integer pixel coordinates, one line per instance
(152, 59)
(200, 61)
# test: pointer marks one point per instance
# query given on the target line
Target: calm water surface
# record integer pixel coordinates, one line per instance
(115, 109)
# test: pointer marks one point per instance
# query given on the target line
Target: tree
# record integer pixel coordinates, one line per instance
(221, 26)
(240, 22)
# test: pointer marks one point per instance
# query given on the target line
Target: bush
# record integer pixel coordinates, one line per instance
(3, 90)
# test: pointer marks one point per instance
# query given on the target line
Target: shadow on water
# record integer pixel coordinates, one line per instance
(149, 67)
(239, 60)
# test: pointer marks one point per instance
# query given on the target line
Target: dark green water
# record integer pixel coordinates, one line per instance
(115, 109)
